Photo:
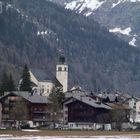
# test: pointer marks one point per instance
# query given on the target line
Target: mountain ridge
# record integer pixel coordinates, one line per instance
(97, 59)
(113, 14)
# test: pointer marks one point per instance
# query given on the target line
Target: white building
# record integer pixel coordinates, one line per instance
(62, 73)
(43, 83)
(138, 111)
(132, 101)
(132, 105)
(40, 83)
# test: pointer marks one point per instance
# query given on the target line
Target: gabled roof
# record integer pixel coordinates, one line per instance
(110, 96)
(41, 75)
(33, 98)
(87, 100)
(76, 90)
(118, 106)
(84, 97)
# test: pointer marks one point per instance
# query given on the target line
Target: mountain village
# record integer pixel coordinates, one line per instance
(81, 109)
(97, 58)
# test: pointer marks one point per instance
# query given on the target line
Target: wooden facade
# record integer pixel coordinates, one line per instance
(36, 112)
(81, 112)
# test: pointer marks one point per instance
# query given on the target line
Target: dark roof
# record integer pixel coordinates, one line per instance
(33, 98)
(118, 106)
(87, 100)
(56, 82)
(41, 75)
(84, 97)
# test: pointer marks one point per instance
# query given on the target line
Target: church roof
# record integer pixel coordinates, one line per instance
(41, 75)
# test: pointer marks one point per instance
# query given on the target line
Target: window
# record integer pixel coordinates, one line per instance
(65, 69)
(59, 68)
(48, 90)
(71, 125)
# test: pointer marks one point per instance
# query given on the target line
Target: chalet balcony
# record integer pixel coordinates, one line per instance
(5, 117)
(39, 112)
(39, 118)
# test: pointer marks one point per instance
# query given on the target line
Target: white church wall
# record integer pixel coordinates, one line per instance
(45, 87)
(62, 75)
(33, 79)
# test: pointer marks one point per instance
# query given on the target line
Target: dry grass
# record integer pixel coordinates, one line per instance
(68, 133)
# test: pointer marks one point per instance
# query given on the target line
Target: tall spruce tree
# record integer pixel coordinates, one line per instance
(25, 80)
(4, 83)
(56, 97)
(11, 85)
(7, 83)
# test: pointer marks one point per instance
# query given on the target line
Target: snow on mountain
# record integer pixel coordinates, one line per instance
(42, 33)
(123, 14)
(115, 4)
(127, 31)
(121, 31)
(84, 4)
(92, 5)
(132, 42)
(122, 1)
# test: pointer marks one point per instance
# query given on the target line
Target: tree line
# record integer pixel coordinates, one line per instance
(19, 111)
(8, 84)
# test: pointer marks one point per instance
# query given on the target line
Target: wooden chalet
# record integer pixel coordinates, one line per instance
(35, 107)
(83, 110)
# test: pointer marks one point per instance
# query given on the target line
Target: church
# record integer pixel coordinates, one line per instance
(43, 83)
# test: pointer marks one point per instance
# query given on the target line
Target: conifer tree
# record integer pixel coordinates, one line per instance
(11, 85)
(56, 97)
(18, 112)
(4, 83)
(7, 83)
(25, 80)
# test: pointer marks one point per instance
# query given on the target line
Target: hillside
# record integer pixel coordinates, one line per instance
(119, 16)
(34, 32)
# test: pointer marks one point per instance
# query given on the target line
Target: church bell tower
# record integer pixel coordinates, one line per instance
(62, 72)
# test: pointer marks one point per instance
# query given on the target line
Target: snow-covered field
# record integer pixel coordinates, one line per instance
(9, 137)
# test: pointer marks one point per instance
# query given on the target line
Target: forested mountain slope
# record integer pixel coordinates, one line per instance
(34, 32)
(119, 16)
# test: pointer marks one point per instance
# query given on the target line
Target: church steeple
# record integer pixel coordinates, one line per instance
(62, 72)
(62, 59)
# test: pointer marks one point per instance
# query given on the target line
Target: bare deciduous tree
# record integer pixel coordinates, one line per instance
(18, 112)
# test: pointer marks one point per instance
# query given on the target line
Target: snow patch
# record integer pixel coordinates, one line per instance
(80, 5)
(115, 4)
(119, 30)
(42, 33)
(122, 1)
(134, 0)
(88, 14)
(133, 42)
(30, 130)
(92, 5)
(73, 138)
(8, 6)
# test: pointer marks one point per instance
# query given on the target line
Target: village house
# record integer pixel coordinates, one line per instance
(127, 99)
(138, 112)
(132, 101)
(85, 110)
(35, 105)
